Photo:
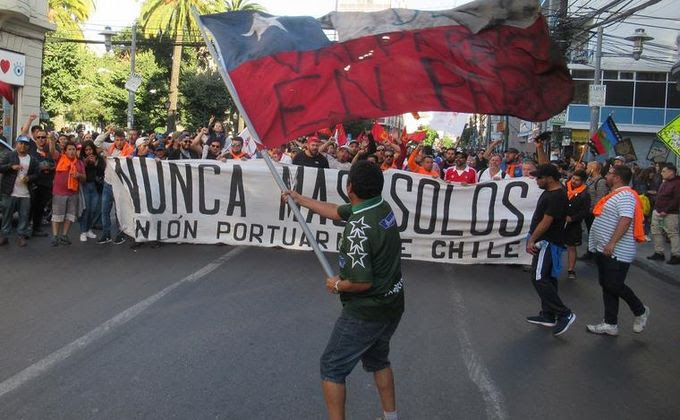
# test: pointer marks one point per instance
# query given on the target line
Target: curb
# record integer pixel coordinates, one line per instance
(665, 275)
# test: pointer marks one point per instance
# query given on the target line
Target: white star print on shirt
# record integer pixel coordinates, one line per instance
(356, 239)
(261, 24)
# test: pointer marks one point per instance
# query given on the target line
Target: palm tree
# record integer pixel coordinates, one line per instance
(69, 14)
(174, 18)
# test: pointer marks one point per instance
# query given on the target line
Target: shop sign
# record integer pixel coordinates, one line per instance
(12, 67)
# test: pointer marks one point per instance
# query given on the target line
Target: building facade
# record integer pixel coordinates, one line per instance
(23, 25)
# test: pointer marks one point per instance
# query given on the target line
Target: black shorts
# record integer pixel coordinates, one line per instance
(573, 234)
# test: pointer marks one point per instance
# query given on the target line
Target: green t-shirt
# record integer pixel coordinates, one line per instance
(370, 252)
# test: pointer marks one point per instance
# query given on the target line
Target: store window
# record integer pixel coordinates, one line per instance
(8, 112)
(610, 75)
(652, 76)
(583, 74)
(619, 93)
(11, 79)
(581, 91)
(649, 94)
(673, 96)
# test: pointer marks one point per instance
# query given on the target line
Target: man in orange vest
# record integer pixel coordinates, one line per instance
(617, 226)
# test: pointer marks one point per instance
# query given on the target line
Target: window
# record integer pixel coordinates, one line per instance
(583, 74)
(650, 94)
(581, 88)
(610, 75)
(651, 76)
(626, 75)
(673, 96)
(619, 93)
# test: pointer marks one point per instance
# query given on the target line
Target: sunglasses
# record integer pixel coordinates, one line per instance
(216, 146)
(40, 137)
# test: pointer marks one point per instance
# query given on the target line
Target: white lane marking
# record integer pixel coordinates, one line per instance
(476, 369)
(107, 327)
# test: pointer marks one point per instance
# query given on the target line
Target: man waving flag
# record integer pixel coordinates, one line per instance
(488, 56)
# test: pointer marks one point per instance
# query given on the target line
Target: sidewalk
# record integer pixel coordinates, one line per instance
(666, 272)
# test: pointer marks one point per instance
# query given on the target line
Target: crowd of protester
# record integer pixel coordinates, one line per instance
(60, 176)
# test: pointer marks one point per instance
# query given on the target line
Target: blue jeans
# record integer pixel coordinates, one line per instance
(23, 206)
(353, 340)
(108, 221)
(91, 206)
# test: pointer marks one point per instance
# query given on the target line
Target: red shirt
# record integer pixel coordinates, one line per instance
(61, 181)
(467, 175)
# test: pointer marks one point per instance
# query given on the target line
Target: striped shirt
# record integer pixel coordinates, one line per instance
(618, 206)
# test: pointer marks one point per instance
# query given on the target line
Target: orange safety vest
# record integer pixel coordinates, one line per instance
(638, 219)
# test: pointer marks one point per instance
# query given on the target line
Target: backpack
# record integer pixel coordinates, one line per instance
(646, 204)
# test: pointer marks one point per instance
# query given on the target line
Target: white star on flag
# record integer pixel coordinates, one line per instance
(261, 24)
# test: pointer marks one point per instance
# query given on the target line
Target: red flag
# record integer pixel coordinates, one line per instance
(418, 136)
(326, 132)
(379, 133)
(489, 57)
(340, 135)
(404, 136)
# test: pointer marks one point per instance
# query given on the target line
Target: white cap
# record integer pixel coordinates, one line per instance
(140, 141)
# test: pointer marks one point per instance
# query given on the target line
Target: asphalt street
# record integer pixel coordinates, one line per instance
(201, 332)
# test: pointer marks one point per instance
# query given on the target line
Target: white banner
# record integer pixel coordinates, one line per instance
(210, 202)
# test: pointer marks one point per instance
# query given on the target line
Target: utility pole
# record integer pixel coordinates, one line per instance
(595, 110)
(131, 94)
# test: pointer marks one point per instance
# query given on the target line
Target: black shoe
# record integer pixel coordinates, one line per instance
(64, 240)
(571, 275)
(675, 259)
(120, 239)
(54, 241)
(542, 319)
(105, 239)
(21, 241)
(656, 257)
(587, 256)
(39, 233)
(563, 324)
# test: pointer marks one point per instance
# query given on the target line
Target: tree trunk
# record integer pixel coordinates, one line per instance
(174, 82)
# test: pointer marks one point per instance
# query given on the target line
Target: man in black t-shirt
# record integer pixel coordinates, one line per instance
(546, 244)
(310, 156)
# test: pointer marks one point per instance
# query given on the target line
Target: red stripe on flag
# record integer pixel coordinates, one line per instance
(501, 70)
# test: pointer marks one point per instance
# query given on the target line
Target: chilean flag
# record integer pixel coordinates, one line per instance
(488, 56)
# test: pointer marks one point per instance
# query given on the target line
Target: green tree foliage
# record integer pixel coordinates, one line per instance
(68, 15)
(203, 95)
(233, 5)
(62, 72)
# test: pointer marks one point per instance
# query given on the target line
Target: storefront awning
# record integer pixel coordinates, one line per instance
(7, 92)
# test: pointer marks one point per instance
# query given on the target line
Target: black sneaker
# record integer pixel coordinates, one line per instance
(563, 324)
(674, 260)
(120, 239)
(63, 239)
(105, 239)
(542, 319)
(571, 275)
(54, 241)
(656, 257)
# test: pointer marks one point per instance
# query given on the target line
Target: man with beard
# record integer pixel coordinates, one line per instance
(511, 164)
(449, 160)
(579, 209)
(461, 172)
(236, 151)
(182, 148)
(546, 244)
(310, 156)
(42, 186)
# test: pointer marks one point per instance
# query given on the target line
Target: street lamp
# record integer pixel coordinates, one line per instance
(108, 34)
(639, 37)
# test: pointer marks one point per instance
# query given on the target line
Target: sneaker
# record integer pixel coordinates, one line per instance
(120, 239)
(83, 237)
(105, 239)
(91, 234)
(603, 329)
(39, 233)
(63, 239)
(563, 324)
(656, 257)
(571, 275)
(542, 319)
(21, 241)
(675, 260)
(54, 241)
(640, 322)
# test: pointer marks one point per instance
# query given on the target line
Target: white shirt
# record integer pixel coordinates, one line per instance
(485, 175)
(21, 188)
(619, 205)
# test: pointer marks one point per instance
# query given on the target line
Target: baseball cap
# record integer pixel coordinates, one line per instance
(23, 139)
(352, 141)
(140, 141)
(511, 150)
(313, 139)
(621, 158)
(545, 170)
(461, 151)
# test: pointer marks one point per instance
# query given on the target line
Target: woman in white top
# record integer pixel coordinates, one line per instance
(493, 172)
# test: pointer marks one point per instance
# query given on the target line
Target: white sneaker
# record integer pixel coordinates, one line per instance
(640, 322)
(91, 234)
(604, 329)
(83, 237)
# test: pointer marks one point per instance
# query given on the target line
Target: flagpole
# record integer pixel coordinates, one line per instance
(275, 174)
